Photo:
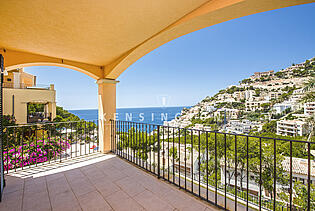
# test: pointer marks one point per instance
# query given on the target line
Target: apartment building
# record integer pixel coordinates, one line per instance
(249, 94)
(309, 108)
(273, 95)
(281, 107)
(229, 113)
(254, 105)
(240, 127)
(292, 128)
(225, 97)
(239, 95)
(20, 90)
(262, 74)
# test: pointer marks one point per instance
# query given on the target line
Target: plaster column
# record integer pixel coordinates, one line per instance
(106, 111)
(52, 110)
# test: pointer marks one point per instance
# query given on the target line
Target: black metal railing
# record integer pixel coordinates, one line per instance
(29, 145)
(230, 171)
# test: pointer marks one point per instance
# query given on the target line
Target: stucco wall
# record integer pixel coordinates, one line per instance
(24, 96)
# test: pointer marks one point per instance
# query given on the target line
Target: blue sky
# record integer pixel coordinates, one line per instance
(184, 71)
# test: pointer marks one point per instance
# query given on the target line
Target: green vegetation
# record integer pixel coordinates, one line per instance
(35, 107)
(64, 115)
(266, 106)
(8, 120)
(233, 89)
(269, 127)
(280, 74)
(246, 81)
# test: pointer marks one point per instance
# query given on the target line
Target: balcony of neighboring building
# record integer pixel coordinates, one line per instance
(21, 90)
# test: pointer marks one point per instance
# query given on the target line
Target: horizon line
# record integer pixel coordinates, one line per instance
(131, 107)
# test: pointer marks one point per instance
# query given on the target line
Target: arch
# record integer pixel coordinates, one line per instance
(209, 14)
(104, 38)
(17, 59)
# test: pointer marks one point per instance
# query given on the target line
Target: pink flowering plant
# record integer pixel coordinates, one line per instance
(32, 152)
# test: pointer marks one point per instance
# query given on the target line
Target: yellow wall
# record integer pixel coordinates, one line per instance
(24, 96)
(9, 79)
(26, 79)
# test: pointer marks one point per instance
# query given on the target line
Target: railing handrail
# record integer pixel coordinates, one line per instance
(13, 85)
(214, 131)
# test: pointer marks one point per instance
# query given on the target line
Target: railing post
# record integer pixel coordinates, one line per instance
(158, 138)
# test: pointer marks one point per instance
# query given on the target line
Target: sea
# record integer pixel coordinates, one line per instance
(154, 115)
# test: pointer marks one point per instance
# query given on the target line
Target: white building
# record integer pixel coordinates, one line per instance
(273, 95)
(229, 112)
(210, 108)
(292, 128)
(249, 94)
(239, 96)
(281, 107)
(225, 97)
(240, 127)
(254, 105)
(309, 108)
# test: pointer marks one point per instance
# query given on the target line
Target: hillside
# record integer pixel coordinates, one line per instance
(262, 98)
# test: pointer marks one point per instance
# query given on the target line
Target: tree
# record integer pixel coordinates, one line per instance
(64, 115)
(35, 107)
(280, 74)
(265, 106)
(267, 162)
(301, 196)
(269, 127)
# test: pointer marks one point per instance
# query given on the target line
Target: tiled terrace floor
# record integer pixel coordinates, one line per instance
(101, 182)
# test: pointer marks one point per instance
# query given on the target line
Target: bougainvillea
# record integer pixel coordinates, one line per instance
(34, 152)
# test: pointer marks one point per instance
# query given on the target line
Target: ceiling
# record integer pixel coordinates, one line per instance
(104, 37)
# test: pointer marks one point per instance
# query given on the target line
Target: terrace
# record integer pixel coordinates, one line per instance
(117, 34)
(94, 182)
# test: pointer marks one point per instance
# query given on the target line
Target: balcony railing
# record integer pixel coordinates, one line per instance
(30, 145)
(227, 170)
(25, 86)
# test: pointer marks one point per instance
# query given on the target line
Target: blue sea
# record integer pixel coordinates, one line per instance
(154, 115)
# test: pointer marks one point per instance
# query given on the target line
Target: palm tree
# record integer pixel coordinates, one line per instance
(309, 85)
(308, 88)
